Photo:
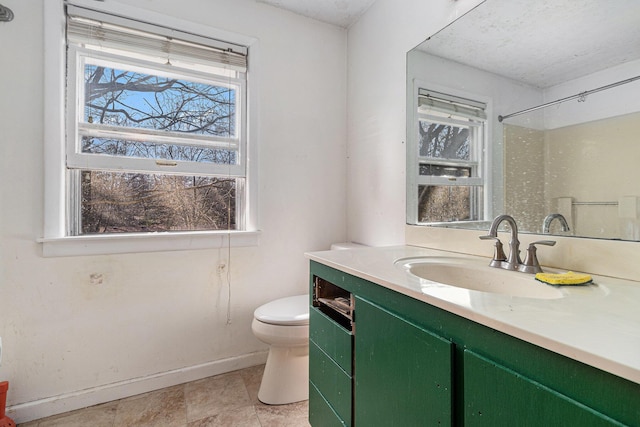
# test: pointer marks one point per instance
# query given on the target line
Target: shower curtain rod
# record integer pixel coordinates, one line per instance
(580, 95)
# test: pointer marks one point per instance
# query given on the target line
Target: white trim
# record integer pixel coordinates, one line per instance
(121, 243)
(54, 119)
(108, 162)
(54, 241)
(471, 122)
(156, 136)
(449, 181)
(251, 125)
(28, 411)
(412, 171)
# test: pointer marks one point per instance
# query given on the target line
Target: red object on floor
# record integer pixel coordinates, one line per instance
(4, 420)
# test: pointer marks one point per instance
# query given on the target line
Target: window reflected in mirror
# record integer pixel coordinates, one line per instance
(450, 135)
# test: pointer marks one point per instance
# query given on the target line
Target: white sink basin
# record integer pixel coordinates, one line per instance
(477, 276)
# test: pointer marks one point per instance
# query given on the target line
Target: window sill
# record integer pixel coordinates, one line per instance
(145, 242)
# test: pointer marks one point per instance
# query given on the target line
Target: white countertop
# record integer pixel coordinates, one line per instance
(597, 324)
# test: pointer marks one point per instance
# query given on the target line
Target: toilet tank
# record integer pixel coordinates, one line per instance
(346, 245)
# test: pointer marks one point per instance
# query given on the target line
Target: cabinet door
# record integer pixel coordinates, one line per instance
(402, 372)
(497, 396)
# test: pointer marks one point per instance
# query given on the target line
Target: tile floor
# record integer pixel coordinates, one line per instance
(228, 400)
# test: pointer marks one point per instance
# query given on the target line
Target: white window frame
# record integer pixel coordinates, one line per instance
(476, 180)
(55, 241)
(480, 163)
(78, 57)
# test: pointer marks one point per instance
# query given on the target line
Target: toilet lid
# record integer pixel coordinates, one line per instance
(285, 311)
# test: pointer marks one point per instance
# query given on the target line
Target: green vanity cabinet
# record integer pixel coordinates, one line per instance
(403, 372)
(498, 396)
(414, 364)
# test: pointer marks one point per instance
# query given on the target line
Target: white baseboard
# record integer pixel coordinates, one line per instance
(24, 412)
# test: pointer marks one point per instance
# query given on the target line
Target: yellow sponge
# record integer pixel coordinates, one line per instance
(568, 278)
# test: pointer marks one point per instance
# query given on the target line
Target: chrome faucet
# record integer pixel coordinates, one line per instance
(513, 262)
(549, 219)
(499, 259)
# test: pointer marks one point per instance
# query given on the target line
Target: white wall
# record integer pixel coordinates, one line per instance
(377, 49)
(600, 105)
(596, 162)
(160, 318)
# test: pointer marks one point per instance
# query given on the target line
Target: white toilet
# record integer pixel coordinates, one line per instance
(284, 325)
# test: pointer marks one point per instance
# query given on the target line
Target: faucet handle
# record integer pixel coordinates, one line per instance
(543, 242)
(498, 252)
(531, 264)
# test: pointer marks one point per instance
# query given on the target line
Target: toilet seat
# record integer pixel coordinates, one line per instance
(290, 311)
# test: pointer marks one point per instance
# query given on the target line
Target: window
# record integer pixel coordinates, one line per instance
(156, 128)
(449, 178)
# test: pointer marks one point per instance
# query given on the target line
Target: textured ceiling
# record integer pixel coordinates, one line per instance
(342, 13)
(544, 42)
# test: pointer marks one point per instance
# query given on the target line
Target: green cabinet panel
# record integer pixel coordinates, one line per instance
(497, 396)
(331, 381)
(321, 414)
(403, 373)
(332, 338)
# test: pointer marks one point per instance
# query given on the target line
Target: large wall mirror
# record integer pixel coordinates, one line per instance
(530, 109)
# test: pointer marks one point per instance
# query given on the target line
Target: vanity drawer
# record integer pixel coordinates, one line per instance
(332, 338)
(320, 412)
(333, 383)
